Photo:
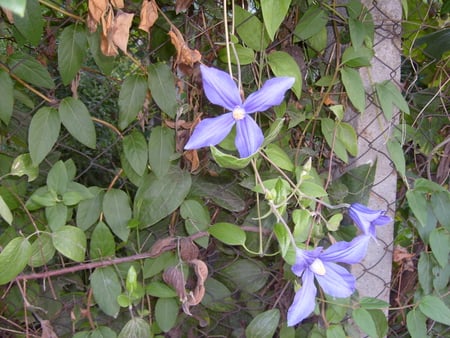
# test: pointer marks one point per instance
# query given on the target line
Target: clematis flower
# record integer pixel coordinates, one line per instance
(321, 265)
(221, 90)
(367, 219)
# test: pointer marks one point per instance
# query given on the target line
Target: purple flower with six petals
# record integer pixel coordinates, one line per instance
(367, 219)
(321, 265)
(220, 89)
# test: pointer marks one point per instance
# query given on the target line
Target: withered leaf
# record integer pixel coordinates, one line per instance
(201, 270)
(175, 278)
(185, 55)
(195, 297)
(182, 5)
(120, 31)
(97, 8)
(107, 46)
(149, 15)
(188, 250)
(9, 15)
(47, 329)
(192, 157)
(117, 3)
(162, 245)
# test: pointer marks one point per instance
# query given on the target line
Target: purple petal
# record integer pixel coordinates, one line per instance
(210, 131)
(337, 281)
(271, 94)
(304, 301)
(220, 88)
(347, 252)
(249, 136)
(366, 219)
(304, 259)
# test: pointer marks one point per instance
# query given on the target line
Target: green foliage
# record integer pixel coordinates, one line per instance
(100, 211)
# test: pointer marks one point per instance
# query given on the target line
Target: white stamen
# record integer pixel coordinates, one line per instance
(238, 113)
(317, 267)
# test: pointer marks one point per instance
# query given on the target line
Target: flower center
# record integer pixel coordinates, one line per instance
(317, 267)
(238, 113)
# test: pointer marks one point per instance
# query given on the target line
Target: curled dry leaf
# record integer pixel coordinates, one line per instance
(188, 250)
(117, 3)
(97, 8)
(195, 297)
(182, 5)
(47, 330)
(120, 32)
(402, 256)
(149, 15)
(107, 46)
(185, 55)
(175, 278)
(163, 245)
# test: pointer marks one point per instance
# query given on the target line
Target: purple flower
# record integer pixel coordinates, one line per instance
(334, 279)
(222, 90)
(367, 219)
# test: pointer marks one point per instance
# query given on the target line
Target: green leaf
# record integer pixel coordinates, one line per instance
(166, 313)
(5, 212)
(136, 152)
(31, 24)
(250, 30)
(75, 117)
(158, 197)
(365, 321)
(103, 332)
(312, 189)
(228, 233)
(274, 130)
(16, 6)
(440, 245)
(161, 148)
(247, 275)
(117, 211)
(370, 303)
(57, 179)
(136, 327)
(217, 296)
(102, 242)
(263, 325)
(42, 250)
(434, 308)
(311, 23)
(196, 218)
(302, 224)
(273, 14)
(244, 55)
(131, 99)
(330, 131)
(440, 200)
(425, 274)
(418, 205)
(336, 331)
(56, 216)
(23, 165)
(43, 133)
(89, 210)
(388, 96)
(282, 64)
(357, 57)
(153, 266)
(43, 198)
(416, 323)
(279, 157)
(437, 42)
(282, 237)
(105, 63)
(72, 50)
(346, 134)
(30, 70)
(71, 242)
(354, 87)
(162, 87)
(7, 101)
(13, 259)
(337, 309)
(229, 161)
(75, 193)
(397, 156)
(334, 222)
(160, 290)
(105, 288)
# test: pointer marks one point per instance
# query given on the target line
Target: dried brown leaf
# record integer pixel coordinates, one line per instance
(97, 8)
(182, 5)
(9, 15)
(201, 270)
(149, 15)
(107, 46)
(185, 55)
(47, 329)
(120, 31)
(192, 157)
(188, 250)
(117, 3)
(163, 245)
(175, 278)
